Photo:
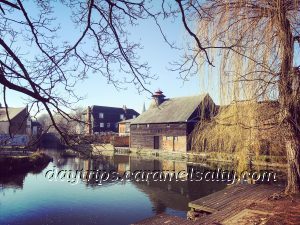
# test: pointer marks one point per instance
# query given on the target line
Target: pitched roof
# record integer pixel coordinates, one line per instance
(12, 112)
(96, 108)
(171, 110)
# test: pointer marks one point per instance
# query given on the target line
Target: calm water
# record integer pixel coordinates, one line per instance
(33, 199)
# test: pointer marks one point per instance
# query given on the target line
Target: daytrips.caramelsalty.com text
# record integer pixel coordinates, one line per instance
(193, 175)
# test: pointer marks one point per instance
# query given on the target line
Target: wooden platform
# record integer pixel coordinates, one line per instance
(222, 207)
(226, 203)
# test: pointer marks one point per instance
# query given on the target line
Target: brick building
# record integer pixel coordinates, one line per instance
(124, 127)
(102, 119)
(168, 123)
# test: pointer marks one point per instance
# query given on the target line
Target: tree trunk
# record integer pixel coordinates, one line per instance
(288, 100)
(292, 139)
(293, 179)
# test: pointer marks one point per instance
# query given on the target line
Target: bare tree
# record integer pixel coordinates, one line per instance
(56, 65)
(35, 61)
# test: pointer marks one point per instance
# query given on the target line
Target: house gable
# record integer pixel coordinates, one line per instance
(174, 110)
(168, 126)
(17, 121)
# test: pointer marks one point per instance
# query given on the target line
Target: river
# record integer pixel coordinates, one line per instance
(33, 198)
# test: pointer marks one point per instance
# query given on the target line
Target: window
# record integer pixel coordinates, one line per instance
(127, 128)
(134, 116)
(101, 115)
(122, 116)
(101, 124)
(108, 125)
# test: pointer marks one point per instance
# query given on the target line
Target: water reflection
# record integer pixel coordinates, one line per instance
(43, 202)
(15, 179)
(173, 194)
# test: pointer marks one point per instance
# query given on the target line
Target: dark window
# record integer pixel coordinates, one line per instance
(156, 142)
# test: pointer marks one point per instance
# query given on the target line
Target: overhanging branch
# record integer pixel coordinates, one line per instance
(13, 5)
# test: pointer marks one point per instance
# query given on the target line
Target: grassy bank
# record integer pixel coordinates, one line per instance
(30, 163)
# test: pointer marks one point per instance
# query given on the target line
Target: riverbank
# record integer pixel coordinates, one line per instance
(277, 162)
(12, 164)
(239, 205)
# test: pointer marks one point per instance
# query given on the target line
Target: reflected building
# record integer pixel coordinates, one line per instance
(172, 194)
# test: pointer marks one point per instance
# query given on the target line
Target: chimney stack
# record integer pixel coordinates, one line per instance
(158, 98)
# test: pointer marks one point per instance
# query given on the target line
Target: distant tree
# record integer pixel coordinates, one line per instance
(45, 121)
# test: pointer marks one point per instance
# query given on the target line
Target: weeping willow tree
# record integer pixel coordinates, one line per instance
(256, 45)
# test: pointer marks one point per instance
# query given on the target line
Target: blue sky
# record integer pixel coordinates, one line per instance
(156, 52)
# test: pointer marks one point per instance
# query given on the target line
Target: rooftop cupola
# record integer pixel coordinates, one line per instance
(158, 97)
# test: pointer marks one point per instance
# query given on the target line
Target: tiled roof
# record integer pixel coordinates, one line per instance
(172, 110)
(104, 109)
